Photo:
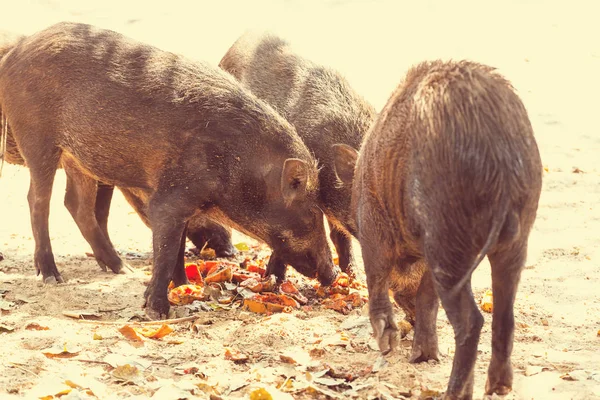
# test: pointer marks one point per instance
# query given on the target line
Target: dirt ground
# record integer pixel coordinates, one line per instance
(549, 52)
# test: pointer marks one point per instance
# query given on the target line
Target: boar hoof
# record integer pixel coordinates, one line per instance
(125, 269)
(156, 309)
(422, 354)
(499, 379)
(386, 333)
(102, 265)
(53, 280)
(327, 278)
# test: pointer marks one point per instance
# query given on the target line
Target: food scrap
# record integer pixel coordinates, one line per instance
(223, 283)
(487, 302)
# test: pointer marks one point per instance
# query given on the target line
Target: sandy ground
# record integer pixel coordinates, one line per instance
(551, 54)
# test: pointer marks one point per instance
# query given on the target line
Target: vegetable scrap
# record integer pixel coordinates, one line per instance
(224, 284)
(487, 302)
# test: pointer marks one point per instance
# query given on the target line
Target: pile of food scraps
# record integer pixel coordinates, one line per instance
(222, 283)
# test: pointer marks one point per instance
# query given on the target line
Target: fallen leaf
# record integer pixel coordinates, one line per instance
(242, 246)
(155, 333)
(34, 326)
(97, 336)
(6, 305)
(130, 333)
(260, 394)
(82, 314)
(127, 373)
(487, 302)
(577, 375)
(246, 293)
(64, 351)
(235, 356)
(24, 299)
(531, 370)
(115, 360)
(380, 363)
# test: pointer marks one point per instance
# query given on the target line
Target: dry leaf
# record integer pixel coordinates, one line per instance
(235, 356)
(97, 336)
(531, 370)
(577, 375)
(6, 305)
(127, 373)
(161, 332)
(130, 333)
(115, 360)
(260, 394)
(64, 351)
(34, 326)
(242, 246)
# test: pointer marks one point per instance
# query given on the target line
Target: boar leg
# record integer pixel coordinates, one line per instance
(179, 275)
(42, 171)
(506, 271)
(168, 217)
(202, 230)
(80, 199)
(425, 341)
(466, 321)
(343, 245)
(381, 313)
(276, 267)
(104, 196)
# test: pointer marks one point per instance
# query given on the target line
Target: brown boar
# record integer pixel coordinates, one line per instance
(180, 137)
(201, 231)
(320, 104)
(449, 173)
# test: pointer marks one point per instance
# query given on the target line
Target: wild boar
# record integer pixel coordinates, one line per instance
(449, 173)
(183, 138)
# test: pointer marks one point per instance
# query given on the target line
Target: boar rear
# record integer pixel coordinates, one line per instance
(449, 173)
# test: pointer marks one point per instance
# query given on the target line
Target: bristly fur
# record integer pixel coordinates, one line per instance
(319, 102)
(449, 173)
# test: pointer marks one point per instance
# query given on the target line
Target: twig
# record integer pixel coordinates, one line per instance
(164, 321)
(113, 309)
(23, 369)
(90, 361)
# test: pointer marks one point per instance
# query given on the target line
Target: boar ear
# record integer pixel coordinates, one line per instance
(293, 180)
(344, 161)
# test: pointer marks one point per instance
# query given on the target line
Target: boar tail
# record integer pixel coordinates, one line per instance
(498, 221)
